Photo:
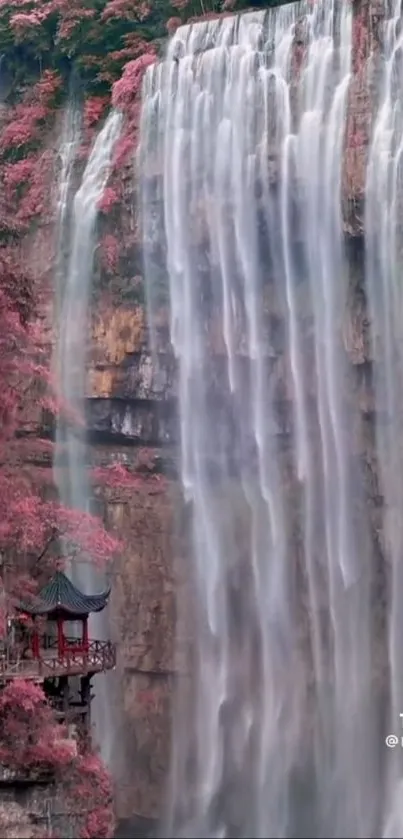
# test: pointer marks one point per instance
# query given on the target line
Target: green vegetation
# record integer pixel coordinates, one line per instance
(93, 38)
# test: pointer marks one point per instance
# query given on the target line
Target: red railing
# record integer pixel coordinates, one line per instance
(98, 656)
(74, 645)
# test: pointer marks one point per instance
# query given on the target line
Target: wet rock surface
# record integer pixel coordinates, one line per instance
(136, 828)
(142, 433)
(132, 419)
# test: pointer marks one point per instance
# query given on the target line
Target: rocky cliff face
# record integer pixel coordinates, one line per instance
(144, 411)
(132, 406)
(34, 810)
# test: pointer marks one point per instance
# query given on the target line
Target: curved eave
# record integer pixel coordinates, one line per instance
(86, 606)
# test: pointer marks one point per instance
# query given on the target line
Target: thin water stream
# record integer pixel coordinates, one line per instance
(77, 222)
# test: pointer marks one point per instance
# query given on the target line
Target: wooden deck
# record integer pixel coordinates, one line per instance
(100, 656)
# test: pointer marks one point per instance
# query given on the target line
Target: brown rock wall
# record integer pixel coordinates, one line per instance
(146, 730)
(361, 105)
(146, 581)
(142, 614)
(36, 811)
(132, 420)
(143, 600)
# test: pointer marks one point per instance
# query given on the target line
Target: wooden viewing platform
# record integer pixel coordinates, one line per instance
(36, 648)
(96, 657)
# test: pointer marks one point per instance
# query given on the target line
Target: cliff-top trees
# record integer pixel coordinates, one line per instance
(97, 37)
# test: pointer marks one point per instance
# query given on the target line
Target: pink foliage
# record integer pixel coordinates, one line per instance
(110, 249)
(115, 476)
(44, 91)
(23, 526)
(34, 202)
(134, 47)
(27, 118)
(356, 139)
(124, 150)
(33, 742)
(147, 699)
(128, 87)
(29, 525)
(85, 534)
(126, 95)
(94, 109)
(25, 181)
(92, 769)
(72, 15)
(32, 526)
(89, 787)
(361, 40)
(24, 126)
(118, 477)
(15, 174)
(21, 21)
(24, 23)
(131, 10)
(30, 738)
(15, 364)
(108, 199)
(172, 25)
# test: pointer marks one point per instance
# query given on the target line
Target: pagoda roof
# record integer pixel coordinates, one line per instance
(61, 595)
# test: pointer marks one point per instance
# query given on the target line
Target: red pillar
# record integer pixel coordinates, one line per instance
(85, 634)
(35, 642)
(60, 637)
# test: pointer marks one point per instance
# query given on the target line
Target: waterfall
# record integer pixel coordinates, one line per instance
(75, 268)
(69, 144)
(384, 263)
(242, 134)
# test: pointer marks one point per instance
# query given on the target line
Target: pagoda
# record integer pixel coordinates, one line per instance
(38, 648)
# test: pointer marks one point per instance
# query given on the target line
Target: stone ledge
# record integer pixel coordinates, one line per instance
(136, 422)
(135, 377)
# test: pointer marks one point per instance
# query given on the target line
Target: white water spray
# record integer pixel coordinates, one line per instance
(384, 264)
(241, 149)
(74, 330)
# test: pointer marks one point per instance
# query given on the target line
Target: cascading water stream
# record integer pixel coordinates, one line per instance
(384, 264)
(241, 149)
(71, 466)
(70, 139)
